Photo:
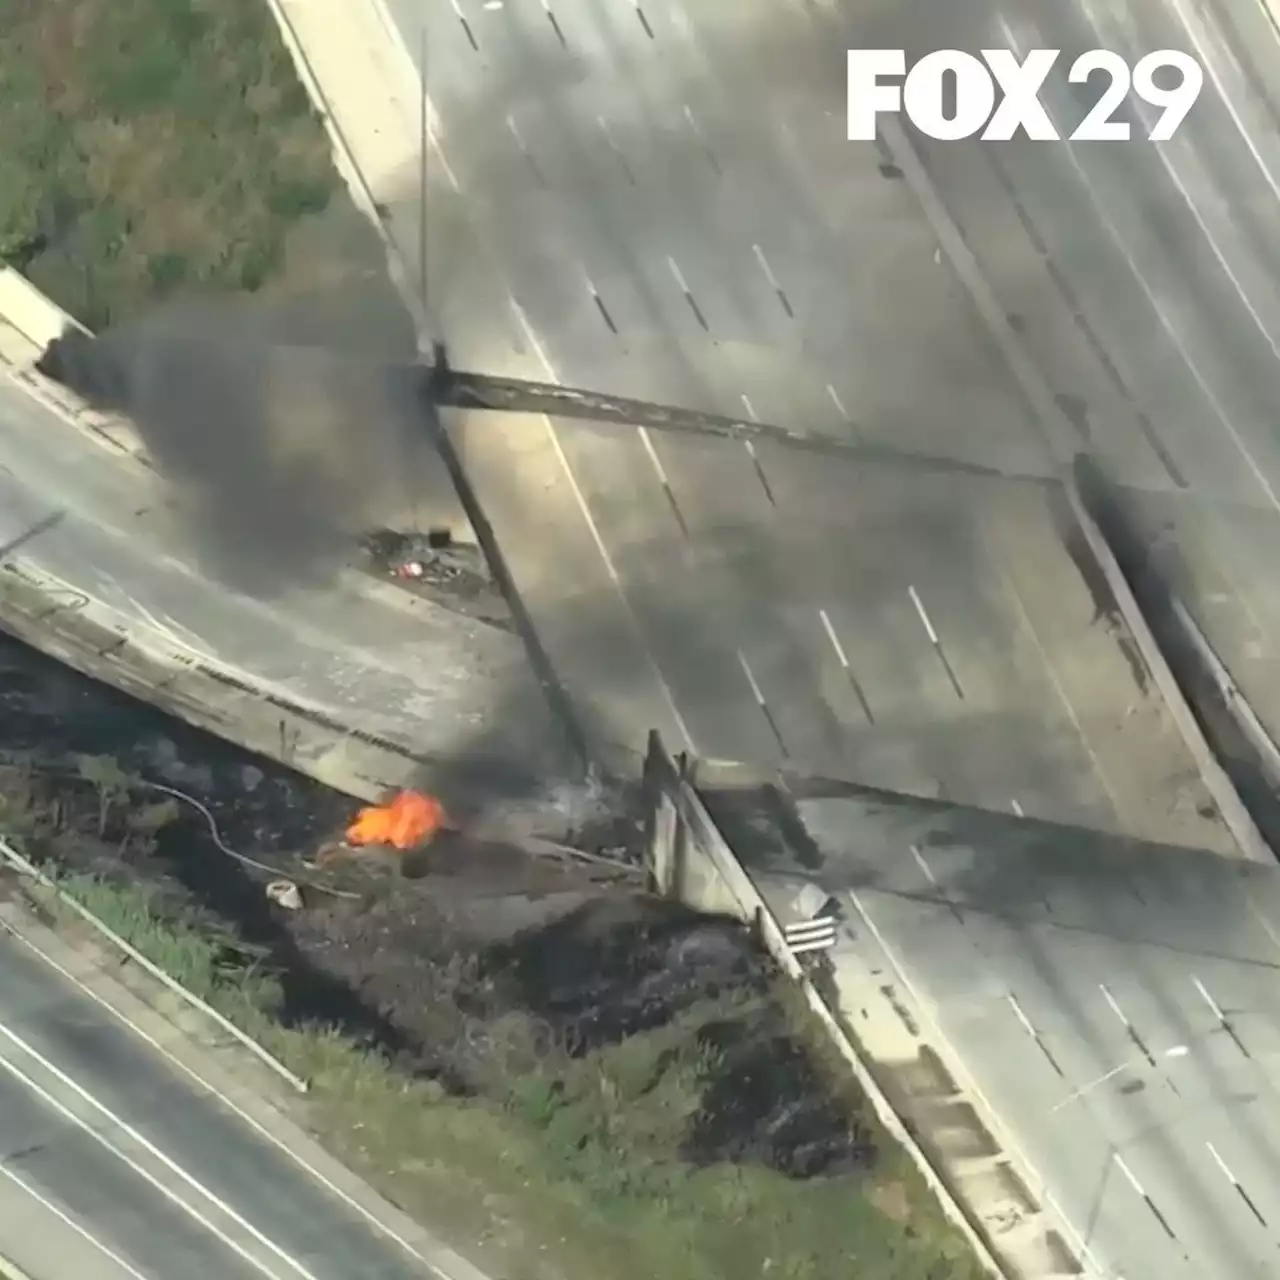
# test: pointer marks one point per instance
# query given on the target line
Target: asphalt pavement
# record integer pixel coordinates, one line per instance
(1115, 1002)
(658, 200)
(1146, 286)
(113, 1165)
(431, 681)
(680, 218)
(661, 203)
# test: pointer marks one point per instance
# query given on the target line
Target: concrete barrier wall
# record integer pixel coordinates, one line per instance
(688, 858)
(691, 860)
(386, 132)
(1085, 493)
(69, 626)
(27, 309)
(1247, 720)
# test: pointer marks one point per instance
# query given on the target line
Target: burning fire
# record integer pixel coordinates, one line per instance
(410, 820)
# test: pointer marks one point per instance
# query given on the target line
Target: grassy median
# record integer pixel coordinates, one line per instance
(149, 147)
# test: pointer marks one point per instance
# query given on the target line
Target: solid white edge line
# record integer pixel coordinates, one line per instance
(11, 1271)
(145, 1174)
(225, 1100)
(150, 1148)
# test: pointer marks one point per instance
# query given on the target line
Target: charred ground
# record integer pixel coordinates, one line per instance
(586, 1074)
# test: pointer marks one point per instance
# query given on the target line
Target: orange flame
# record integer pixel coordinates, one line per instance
(410, 820)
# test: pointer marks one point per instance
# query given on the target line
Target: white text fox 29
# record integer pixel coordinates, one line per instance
(998, 116)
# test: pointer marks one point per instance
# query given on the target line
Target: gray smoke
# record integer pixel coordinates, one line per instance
(281, 454)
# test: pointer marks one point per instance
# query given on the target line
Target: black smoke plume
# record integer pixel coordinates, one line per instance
(281, 456)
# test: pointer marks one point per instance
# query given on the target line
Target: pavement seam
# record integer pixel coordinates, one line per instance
(544, 669)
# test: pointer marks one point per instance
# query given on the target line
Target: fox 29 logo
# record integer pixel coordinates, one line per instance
(977, 108)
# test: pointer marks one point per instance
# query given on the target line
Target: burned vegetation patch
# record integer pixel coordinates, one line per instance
(496, 1041)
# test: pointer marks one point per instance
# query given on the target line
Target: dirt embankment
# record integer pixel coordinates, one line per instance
(641, 1042)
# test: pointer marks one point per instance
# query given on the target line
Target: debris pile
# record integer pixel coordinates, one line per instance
(284, 893)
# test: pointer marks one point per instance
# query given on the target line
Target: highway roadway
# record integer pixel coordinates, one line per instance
(661, 203)
(432, 682)
(919, 627)
(115, 1166)
(1147, 285)
(658, 200)
(1116, 1005)
(922, 628)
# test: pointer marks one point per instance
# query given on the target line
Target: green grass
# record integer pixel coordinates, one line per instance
(573, 1163)
(151, 146)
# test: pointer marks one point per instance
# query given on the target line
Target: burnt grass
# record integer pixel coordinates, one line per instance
(482, 971)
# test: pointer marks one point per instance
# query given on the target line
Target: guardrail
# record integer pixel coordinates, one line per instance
(28, 869)
(681, 832)
(1247, 719)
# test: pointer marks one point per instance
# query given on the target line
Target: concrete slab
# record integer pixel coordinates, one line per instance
(324, 644)
(641, 214)
(784, 607)
(1111, 1000)
(1220, 558)
(638, 167)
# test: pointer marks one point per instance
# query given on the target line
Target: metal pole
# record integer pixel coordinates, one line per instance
(422, 177)
(1176, 1051)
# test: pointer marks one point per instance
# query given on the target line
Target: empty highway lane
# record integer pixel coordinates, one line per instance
(133, 1171)
(667, 196)
(1145, 284)
(1115, 1005)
